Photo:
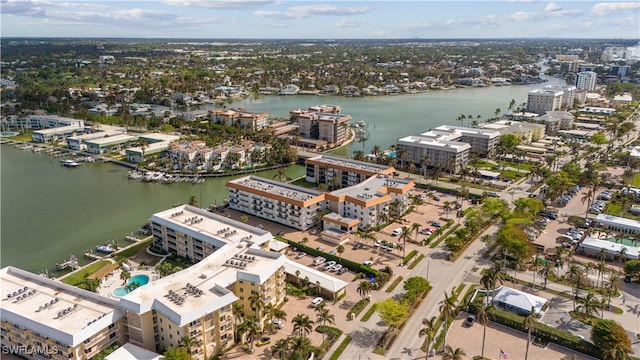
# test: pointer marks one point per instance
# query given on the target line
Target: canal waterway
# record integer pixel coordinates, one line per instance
(49, 212)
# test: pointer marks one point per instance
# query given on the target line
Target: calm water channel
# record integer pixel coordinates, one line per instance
(49, 212)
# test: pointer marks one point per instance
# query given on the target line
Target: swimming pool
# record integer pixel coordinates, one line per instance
(141, 279)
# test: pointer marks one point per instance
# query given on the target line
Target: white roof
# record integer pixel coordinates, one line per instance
(519, 299)
(618, 221)
(612, 248)
(326, 281)
(488, 173)
(130, 351)
(277, 245)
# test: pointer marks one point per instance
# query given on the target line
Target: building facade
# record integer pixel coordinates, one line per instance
(322, 122)
(341, 172)
(448, 155)
(586, 80)
(290, 205)
(541, 101)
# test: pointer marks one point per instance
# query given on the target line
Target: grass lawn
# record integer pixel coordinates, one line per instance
(78, 277)
(133, 250)
(636, 180)
(302, 182)
(26, 136)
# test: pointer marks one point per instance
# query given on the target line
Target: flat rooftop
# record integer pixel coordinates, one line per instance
(58, 130)
(117, 139)
(434, 143)
(267, 187)
(62, 312)
(337, 161)
(375, 187)
(212, 228)
(159, 137)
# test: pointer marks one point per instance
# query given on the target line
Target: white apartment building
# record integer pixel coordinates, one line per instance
(370, 202)
(483, 141)
(341, 172)
(46, 319)
(53, 320)
(441, 152)
(286, 204)
(568, 96)
(586, 80)
(49, 128)
(540, 101)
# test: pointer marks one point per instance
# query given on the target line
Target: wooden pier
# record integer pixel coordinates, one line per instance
(92, 256)
(72, 264)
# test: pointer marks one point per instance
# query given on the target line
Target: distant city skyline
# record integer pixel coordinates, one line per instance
(275, 19)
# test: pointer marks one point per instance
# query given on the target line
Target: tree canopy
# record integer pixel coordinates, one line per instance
(393, 312)
(607, 334)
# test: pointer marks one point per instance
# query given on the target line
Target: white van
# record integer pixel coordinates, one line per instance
(319, 260)
(317, 301)
(397, 232)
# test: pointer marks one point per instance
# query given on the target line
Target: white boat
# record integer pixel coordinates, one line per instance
(69, 163)
(105, 249)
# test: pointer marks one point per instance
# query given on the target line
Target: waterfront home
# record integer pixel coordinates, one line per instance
(289, 89)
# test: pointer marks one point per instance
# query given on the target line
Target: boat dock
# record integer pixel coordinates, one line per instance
(72, 264)
(92, 256)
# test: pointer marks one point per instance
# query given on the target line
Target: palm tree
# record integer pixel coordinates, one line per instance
(415, 227)
(249, 328)
(280, 348)
(428, 331)
(301, 347)
(545, 271)
(340, 250)
(622, 256)
(447, 307)
(534, 266)
(187, 342)
(302, 324)
(257, 304)
(483, 318)
(324, 316)
(377, 152)
(364, 288)
(453, 354)
(601, 267)
(613, 284)
(586, 198)
(406, 234)
(124, 276)
(529, 324)
(589, 304)
(576, 273)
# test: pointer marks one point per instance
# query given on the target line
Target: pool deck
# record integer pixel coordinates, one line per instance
(112, 281)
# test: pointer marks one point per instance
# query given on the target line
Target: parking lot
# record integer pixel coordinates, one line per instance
(500, 338)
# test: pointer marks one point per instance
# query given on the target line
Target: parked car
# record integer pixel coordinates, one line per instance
(278, 323)
(336, 267)
(377, 243)
(314, 231)
(368, 263)
(319, 261)
(343, 270)
(436, 198)
(301, 255)
(333, 252)
(357, 246)
(263, 341)
(260, 226)
(436, 224)
(470, 320)
(329, 264)
(320, 248)
(317, 301)
(396, 232)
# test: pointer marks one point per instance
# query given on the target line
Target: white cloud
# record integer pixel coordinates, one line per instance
(220, 4)
(552, 7)
(350, 22)
(525, 16)
(301, 12)
(603, 9)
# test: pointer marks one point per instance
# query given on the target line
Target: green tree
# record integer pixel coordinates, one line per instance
(364, 288)
(429, 332)
(249, 328)
(589, 304)
(483, 318)
(176, 353)
(124, 276)
(607, 334)
(599, 138)
(324, 316)
(453, 354)
(302, 324)
(281, 348)
(340, 251)
(393, 312)
(414, 287)
(447, 308)
(529, 324)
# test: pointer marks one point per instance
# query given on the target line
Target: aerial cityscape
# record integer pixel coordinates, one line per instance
(320, 180)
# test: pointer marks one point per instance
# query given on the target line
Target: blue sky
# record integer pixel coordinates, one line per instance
(266, 19)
